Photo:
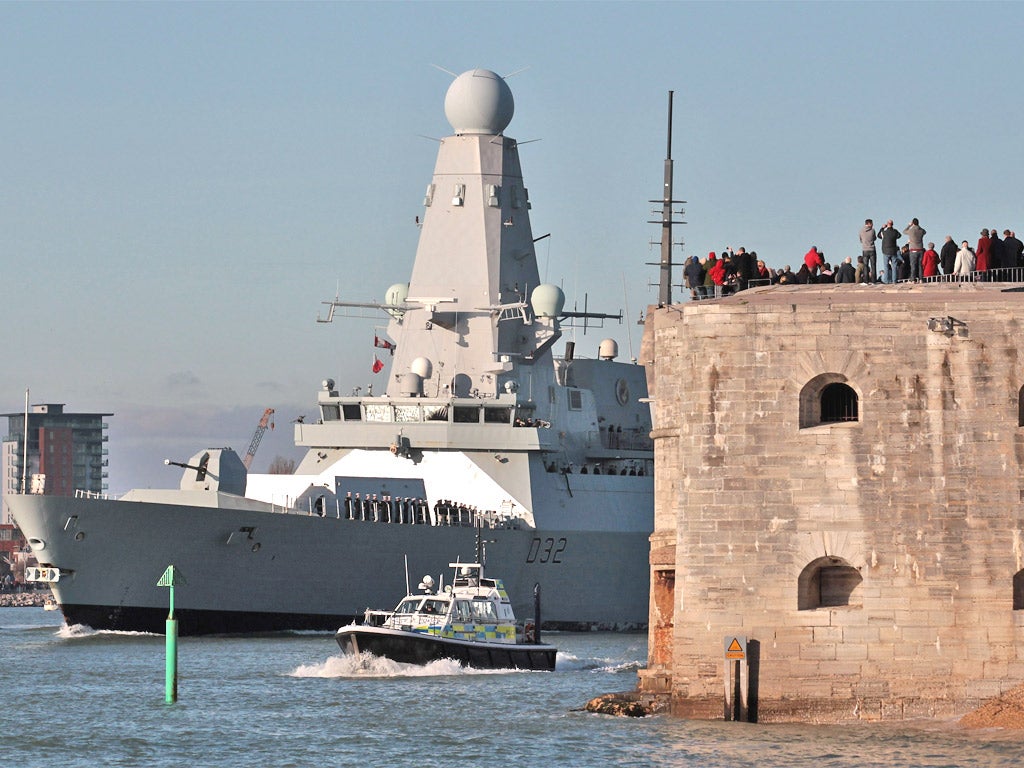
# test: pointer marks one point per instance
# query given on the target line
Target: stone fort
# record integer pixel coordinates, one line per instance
(839, 483)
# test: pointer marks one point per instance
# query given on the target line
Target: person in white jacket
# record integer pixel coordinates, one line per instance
(964, 264)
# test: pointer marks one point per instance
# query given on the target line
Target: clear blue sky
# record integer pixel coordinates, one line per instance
(181, 184)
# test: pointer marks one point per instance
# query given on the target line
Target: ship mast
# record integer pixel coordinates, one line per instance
(665, 275)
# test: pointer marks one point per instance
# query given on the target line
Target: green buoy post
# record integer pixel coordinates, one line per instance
(171, 578)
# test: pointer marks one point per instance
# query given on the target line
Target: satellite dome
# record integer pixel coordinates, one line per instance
(608, 349)
(479, 101)
(411, 385)
(547, 300)
(422, 367)
(396, 294)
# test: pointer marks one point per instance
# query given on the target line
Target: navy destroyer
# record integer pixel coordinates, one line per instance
(485, 430)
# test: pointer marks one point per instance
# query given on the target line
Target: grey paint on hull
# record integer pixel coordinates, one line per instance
(276, 563)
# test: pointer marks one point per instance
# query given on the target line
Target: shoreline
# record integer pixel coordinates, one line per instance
(35, 599)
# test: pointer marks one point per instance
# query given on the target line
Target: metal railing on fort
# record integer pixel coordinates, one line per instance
(1008, 275)
(1001, 275)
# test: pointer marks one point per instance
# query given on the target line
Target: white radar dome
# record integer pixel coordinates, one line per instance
(608, 349)
(479, 101)
(422, 367)
(396, 294)
(547, 300)
(411, 385)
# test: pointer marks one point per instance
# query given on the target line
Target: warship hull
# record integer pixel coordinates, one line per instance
(249, 572)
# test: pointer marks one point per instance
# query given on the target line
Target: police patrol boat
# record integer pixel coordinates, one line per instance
(482, 426)
(470, 621)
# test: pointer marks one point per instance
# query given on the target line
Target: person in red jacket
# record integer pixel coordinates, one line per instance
(814, 260)
(981, 255)
(930, 262)
(717, 272)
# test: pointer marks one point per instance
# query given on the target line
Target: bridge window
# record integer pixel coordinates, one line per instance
(828, 582)
(828, 399)
(466, 414)
(497, 415)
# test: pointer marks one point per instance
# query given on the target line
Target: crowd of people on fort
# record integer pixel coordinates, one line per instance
(882, 260)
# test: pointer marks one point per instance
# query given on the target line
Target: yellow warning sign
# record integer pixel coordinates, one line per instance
(735, 647)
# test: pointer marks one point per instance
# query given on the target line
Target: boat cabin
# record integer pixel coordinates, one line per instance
(471, 608)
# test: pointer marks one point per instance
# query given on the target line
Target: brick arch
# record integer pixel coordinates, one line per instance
(825, 397)
(828, 582)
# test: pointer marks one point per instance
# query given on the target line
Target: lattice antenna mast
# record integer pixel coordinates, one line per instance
(666, 221)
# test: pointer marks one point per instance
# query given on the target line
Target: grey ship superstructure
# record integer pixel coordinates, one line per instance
(481, 426)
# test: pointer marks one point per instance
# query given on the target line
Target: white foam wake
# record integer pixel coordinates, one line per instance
(570, 662)
(79, 631)
(369, 666)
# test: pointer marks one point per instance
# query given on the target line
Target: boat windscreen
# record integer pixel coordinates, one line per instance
(439, 607)
(409, 605)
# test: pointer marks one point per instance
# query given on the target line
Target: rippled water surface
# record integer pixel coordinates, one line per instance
(73, 697)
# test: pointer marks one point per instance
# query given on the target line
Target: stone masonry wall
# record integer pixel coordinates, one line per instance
(919, 499)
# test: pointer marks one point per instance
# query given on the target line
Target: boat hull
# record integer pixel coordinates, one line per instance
(419, 648)
(251, 571)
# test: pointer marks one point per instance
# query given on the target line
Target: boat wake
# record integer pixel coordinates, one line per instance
(366, 665)
(568, 662)
(81, 631)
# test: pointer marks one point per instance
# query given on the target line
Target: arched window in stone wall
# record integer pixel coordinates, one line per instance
(1018, 591)
(828, 582)
(1020, 407)
(828, 399)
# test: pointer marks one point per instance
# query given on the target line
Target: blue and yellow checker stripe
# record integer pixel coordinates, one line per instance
(492, 632)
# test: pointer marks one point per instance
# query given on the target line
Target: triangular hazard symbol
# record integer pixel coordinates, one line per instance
(735, 645)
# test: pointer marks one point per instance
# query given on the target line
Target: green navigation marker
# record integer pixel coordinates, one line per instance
(172, 577)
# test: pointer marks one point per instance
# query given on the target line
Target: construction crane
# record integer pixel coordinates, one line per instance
(257, 436)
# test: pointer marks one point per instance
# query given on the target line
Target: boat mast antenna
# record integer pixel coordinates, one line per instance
(666, 222)
(481, 545)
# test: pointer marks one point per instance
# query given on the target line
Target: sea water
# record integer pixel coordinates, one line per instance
(74, 697)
